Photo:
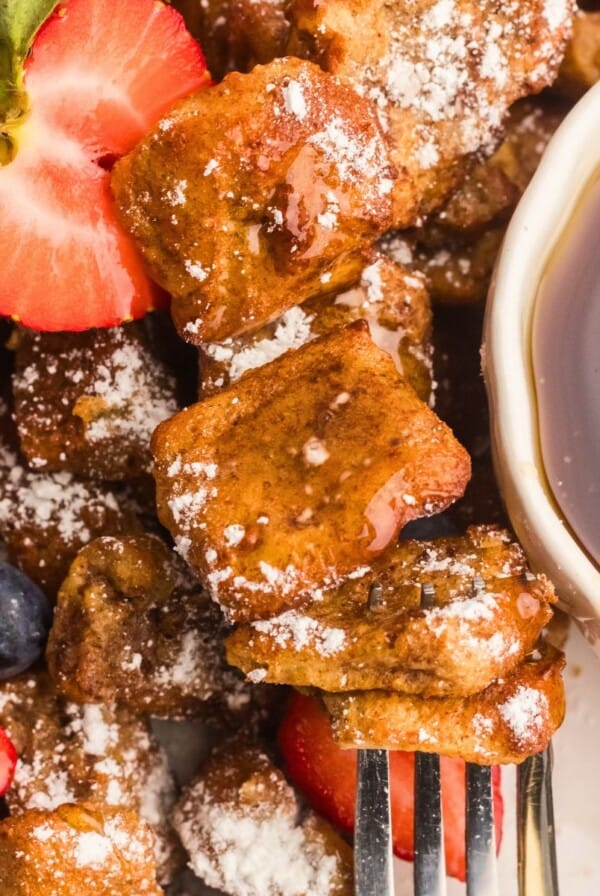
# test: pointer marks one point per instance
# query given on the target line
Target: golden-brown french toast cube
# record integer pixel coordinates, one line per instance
(245, 832)
(87, 403)
(45, 518)
(95, 753)
(581, 66)
(393, 301)
(510, 720)
(302, 472)
(492, 187)
(77, 849)
(247, 194)
(456, 247)
(442, 72)
(131, 625)
(487, 615)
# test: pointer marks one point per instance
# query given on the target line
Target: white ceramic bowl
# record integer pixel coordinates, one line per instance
(570, 163)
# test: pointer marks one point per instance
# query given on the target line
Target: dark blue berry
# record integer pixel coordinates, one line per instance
(25, 620)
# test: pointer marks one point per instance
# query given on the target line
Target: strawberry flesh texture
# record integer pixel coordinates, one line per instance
(98, 79)
(8, 761)
(326, 775)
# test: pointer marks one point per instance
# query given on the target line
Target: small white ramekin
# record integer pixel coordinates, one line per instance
(570, 163)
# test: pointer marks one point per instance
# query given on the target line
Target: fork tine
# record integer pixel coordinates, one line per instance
(430, 865)
(373, 871)
(480, 839)
(535, 827)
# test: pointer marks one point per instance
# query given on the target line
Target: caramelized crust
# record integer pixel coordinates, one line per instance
(510, 720)
(76, 849)
(392, 300)
(443, 74)
(291, 479)
(87, 403)
(475, 632)
(246, 834)
(99, 754)
(132, 626)
(581, 66)
(250, 192)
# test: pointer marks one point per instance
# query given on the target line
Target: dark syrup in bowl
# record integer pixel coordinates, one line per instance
(566, 367)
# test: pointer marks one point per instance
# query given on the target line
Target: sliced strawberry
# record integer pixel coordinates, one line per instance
(326, 775)
(8, 761)
(104, 73)
(99, 76)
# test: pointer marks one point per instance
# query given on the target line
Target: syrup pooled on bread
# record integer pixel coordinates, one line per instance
(258, 206)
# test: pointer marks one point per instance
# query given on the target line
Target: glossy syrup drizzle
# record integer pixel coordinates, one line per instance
(566, 365)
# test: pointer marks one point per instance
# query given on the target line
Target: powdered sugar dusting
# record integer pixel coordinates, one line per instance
(291, 332)
(296, 631)
(53, 502)
(255, 849)
(449, 65)
(92, 849)
(135, 397)
(526, 713)
(294, 99)
(314, 452)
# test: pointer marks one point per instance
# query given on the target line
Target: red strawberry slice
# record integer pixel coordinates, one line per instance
(99, 77)
(326, 775)
(8, 761)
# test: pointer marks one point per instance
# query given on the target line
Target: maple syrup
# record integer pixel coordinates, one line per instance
(566, 366)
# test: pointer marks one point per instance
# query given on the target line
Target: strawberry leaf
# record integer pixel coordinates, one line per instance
(20, 20)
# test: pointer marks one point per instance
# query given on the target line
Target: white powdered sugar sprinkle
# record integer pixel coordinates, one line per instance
(297, 631)
(526, 713)
(314, 452)
(51, 502)
(266, 853)
(291, 331)
(294, 99)
(92, 849)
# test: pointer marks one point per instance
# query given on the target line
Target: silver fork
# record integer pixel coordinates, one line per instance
(373, 868)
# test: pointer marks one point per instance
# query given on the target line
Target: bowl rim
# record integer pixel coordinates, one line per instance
(571, 161)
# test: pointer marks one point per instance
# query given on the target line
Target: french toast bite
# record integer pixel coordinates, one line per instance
(96, 753)
(248, 194)
(580, 69)
(76, 849)
(45, 518)
(87, 403)
(392, 300)
(247, 834)
(443, 74)
(510, 720)
(302, 472)
(488, 614)
(456, 247)
(132, 626)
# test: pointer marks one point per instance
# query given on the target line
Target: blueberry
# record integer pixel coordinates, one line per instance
(25, 620)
